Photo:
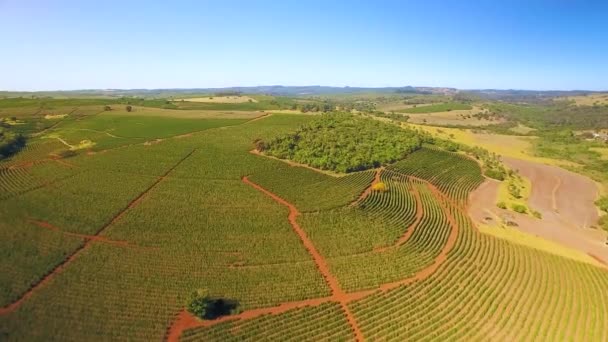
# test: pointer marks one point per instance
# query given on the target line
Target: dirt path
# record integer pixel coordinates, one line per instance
(185, 320)
(332, 281)
(59, 268)
(259, 117)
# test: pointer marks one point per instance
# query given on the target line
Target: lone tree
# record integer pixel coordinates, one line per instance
(129, 108)
(199, 303)
(203, 306)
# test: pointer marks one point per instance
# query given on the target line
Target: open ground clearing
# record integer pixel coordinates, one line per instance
(109, 245)
(565, 202)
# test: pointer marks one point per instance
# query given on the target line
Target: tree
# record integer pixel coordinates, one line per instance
(129, 108)
(199, 303)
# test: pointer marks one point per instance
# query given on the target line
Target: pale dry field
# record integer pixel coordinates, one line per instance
(589, 100)
(454, 117)
(219, 99)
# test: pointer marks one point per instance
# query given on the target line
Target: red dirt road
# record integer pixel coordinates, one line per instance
(332, 282)
(184, 320)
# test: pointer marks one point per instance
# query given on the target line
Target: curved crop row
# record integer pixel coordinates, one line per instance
(454, 174)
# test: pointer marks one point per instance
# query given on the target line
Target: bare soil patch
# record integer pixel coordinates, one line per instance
(552, 226)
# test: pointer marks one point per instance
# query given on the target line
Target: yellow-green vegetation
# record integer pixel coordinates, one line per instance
(380, 186)
(436, 108)
(55, 116)
(603, 151)
(219, 99)
(521, 238)
(513, 194)
(587, 100)
(184, 114)
(504, 145)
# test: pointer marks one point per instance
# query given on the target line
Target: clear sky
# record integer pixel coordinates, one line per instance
(54, 44)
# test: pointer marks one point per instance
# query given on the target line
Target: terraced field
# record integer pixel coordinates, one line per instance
(108, 246)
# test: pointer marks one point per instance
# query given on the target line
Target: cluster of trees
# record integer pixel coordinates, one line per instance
(10, 142)
(344, 143)
(323, 107)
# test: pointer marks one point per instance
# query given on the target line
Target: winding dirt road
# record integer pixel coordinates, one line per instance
(185, 320)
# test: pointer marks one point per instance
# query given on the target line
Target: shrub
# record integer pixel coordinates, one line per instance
(501, 205)
(380, 186)
(536, 214)
(602, 203)
(519, 208)
(129, 108)
(107, 108)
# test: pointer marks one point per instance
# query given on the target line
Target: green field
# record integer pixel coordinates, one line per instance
(109, 241)
(436, 108)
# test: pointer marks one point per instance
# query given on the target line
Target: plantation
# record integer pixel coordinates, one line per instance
(111, 242)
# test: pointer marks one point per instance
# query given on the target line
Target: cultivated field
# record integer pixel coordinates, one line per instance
(218, 99)
(108, 241)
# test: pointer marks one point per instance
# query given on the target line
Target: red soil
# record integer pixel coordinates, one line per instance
(552, 226)
(185, 320)
(59, 268)
(337, 292)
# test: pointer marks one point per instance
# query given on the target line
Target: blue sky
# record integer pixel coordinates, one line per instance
(57, 44)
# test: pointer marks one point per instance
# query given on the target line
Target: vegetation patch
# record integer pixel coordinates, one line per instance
(442, 107)
(344, 143)
(513, 194)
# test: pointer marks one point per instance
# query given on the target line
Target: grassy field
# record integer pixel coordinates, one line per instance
(108, 243)
(437, 108)
(218, 99)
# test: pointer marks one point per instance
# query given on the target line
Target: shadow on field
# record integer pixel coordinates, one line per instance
(221, 307)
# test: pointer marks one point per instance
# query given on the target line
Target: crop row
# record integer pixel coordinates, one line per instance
(454, 174)
(490, 289)
(325, 322)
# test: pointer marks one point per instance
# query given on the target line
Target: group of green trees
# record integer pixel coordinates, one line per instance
(10, 142)
(344, 143)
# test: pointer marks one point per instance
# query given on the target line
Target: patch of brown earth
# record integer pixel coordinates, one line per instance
(552, 226)
(558, 193)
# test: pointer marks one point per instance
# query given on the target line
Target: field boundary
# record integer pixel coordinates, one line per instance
(61, 266)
